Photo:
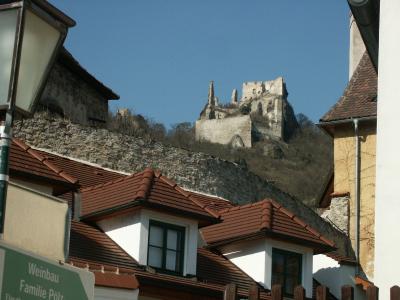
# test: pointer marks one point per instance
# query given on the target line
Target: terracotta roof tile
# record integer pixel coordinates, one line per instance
(264, 218)
(91, 244)
(27, 160)
(212, 202)
(359, 97)
(214, 268)
(144, 188)
(86, 173)
(92, 249)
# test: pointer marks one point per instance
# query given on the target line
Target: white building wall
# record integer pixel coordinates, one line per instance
(125, 230)
(250, 257)
(131, 233)
(191, 232)
(333, 275)
(255, 258)
(103, 293)
(307, 263)
(387, 201)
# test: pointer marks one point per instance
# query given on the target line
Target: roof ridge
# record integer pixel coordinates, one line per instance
(186, 194)
(114, 181)
(35, 154)
(146, 184)
(88, 163)
(93, 187)
(266, 215)
(299, 221)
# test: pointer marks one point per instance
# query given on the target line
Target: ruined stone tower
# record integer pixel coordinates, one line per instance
(262, 113)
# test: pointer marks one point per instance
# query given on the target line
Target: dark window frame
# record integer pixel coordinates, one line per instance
(285, 254)
(165, 227)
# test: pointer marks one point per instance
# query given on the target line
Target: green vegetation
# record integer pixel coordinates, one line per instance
(298, 167)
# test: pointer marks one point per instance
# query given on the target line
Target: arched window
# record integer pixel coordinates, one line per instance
(260, 109)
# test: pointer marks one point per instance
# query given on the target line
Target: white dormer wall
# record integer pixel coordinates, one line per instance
(131, 233)
(333, 275)
(255, 259)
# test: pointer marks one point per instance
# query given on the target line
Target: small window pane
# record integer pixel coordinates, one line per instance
(171, 262)
(293, 265)
(172, 239)
(156, 236)
(155, 257)
(290, 284)
(278, 263)
(277, 279)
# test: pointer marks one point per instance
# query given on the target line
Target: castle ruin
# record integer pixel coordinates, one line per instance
(262, 113)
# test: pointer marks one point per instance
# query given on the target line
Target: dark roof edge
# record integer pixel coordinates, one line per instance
(345, 121)
(265, 233)
(67, 60)
(144, 204)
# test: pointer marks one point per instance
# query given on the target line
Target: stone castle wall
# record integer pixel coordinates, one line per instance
(225, 131)
(67, 94)
(192, 170)
(263, 102)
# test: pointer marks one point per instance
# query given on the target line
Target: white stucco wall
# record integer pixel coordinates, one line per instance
(36, 222)
(125, 230)
(250, 257)
(333, 275)
(131, 233)
(387, 204)
(103, 293)
(255, 258)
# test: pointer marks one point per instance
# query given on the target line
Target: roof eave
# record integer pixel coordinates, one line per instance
(318, 248)
(67, 60)
(140, 202)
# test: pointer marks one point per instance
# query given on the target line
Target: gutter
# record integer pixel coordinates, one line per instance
(357, 192)
(322, 124)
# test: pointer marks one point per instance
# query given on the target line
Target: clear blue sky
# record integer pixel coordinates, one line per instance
(159, 55)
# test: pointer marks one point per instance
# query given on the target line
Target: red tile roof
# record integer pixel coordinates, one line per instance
(92, 249)
(91, 244)
(212, 202)
(29, 161)
(147, 188)
(108, 276)
(264, 218)
(87, 174)
(213, 267)
(359, 97)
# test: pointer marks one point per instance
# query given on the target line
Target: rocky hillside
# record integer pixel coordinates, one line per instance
(193, 170)
(300, 166)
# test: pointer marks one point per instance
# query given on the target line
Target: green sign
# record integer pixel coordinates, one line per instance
(29, 277)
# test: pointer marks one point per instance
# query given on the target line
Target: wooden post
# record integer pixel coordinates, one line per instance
(230, 292)
(277, 292)
(347, 292)
(372, 293)
(254, 292)
(299, 293)
(322, 292)
(395, 293)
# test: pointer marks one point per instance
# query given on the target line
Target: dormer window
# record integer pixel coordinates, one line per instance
(286, 270)
(166, 247)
